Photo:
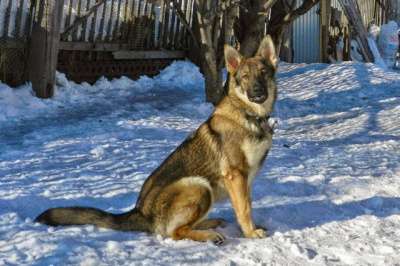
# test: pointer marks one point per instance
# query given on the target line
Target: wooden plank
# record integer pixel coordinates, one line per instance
(92, 34)
(85, 22)
(97, 46)
(28, 23)
(109, 26)
(116, 26)
(7, 19)
(124, 30)
(76, 30)
(178, 28)
(325, 9)
(190, 10)
(151, 35)
(148, 28)
(167, 10)
(12, 43)
(87, 46)
(132, 55)
(139, 8)
(131, 21)
(126, 10)
(145, 8)
(160, 24)
(171, 28)
(183, 31)
(133, 7)
(102, 23)
(123, 48)
(18, 19)
(43, 50)
(69, 17)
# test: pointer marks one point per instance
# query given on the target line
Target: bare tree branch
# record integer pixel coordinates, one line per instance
(79, 20)
(307, 5)
(185, 23)
(269, 4)
(291, 16)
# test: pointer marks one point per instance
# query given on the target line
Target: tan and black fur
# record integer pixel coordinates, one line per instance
(219, 160)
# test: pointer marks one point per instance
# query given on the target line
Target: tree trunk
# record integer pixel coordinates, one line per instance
(213, 84)
(276, 25)
(286, 52)
(250, 26)
(210, 31)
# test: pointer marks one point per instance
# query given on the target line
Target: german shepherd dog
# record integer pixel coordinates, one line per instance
(218, 160)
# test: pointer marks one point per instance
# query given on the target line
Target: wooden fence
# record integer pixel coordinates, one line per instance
(136, 24)
(372, 11)
(93, 37)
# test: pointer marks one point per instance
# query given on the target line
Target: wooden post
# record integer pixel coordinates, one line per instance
(43, 50)
(325, 14)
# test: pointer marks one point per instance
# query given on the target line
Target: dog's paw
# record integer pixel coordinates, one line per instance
(261, 227)
(257, 233)
(218, 239)
(272, 123)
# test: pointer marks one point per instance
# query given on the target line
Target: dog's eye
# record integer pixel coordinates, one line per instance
(245, 76)
(263, 71)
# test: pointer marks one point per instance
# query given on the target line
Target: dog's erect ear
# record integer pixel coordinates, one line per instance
(267, 51)
(232, 59)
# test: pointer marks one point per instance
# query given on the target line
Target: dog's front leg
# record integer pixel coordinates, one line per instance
(239, 193)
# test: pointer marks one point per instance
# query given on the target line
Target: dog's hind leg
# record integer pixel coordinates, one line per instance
(185, 203)
(211, 223)
(198, 235)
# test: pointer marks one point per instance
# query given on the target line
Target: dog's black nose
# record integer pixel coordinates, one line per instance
(258, 91)
(257, 95)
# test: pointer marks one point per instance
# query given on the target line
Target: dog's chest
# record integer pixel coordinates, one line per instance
(254, 151)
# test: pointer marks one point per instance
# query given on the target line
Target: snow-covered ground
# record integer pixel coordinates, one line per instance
(329, 192)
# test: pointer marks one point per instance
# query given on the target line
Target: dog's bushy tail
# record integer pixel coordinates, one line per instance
(130, 221)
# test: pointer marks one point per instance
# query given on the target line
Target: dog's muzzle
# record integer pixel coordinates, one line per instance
(257, 95)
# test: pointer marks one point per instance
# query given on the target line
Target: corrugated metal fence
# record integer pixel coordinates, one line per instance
(306, 43)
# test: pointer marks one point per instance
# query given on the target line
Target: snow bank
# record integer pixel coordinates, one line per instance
(20, 102)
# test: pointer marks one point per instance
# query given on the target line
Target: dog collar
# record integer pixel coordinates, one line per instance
(260, 121)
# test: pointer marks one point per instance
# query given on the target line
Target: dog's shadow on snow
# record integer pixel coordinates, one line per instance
(309, 214)
(277, 218)
(31, 206)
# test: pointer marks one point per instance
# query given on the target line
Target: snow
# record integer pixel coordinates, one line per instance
(329, 192)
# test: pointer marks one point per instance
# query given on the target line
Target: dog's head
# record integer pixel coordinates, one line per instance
(253, 79)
